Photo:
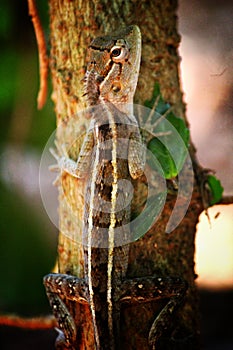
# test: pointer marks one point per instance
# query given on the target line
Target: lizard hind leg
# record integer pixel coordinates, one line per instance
(67, 328)
(59, 289)
(162, 321)
(151, 288)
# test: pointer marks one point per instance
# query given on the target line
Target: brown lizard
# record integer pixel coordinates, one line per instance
(112, 155)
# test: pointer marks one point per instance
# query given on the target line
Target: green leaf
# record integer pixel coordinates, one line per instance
(216, 189)
(171, 148)
(163, 156)
(180, 126)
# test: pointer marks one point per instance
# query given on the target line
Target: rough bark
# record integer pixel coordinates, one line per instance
(73, 24)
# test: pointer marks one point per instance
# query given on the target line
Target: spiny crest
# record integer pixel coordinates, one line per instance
(91, 87)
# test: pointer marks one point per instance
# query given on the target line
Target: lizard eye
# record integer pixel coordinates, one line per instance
(119, 53)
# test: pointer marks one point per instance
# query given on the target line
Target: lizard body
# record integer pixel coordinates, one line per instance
(112, 155)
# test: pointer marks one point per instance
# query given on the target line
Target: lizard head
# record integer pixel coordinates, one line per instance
(113, 67)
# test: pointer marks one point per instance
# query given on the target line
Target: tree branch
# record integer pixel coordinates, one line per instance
(29, 323)
(42, 50)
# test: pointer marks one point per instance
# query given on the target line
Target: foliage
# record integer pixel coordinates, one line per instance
(171, 149)
(216, 189)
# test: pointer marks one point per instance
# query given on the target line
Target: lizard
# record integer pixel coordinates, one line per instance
(109, 83)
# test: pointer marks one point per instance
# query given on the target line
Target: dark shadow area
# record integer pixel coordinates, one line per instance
(216, 319)
(216, 327)
(12, 338)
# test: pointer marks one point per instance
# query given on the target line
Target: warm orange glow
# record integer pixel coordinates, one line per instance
(214, 248)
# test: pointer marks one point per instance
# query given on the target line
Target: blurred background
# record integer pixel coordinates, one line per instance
(27, 236)
(206, 50)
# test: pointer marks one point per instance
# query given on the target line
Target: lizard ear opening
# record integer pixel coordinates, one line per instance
(116, 87)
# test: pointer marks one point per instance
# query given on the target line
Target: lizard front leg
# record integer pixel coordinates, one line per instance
(58, 287)
(77, 168)
(151, 288)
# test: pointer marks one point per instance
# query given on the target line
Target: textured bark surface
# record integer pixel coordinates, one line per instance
(73, 25)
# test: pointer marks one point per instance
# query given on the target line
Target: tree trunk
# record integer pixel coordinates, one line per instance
(73, 25)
